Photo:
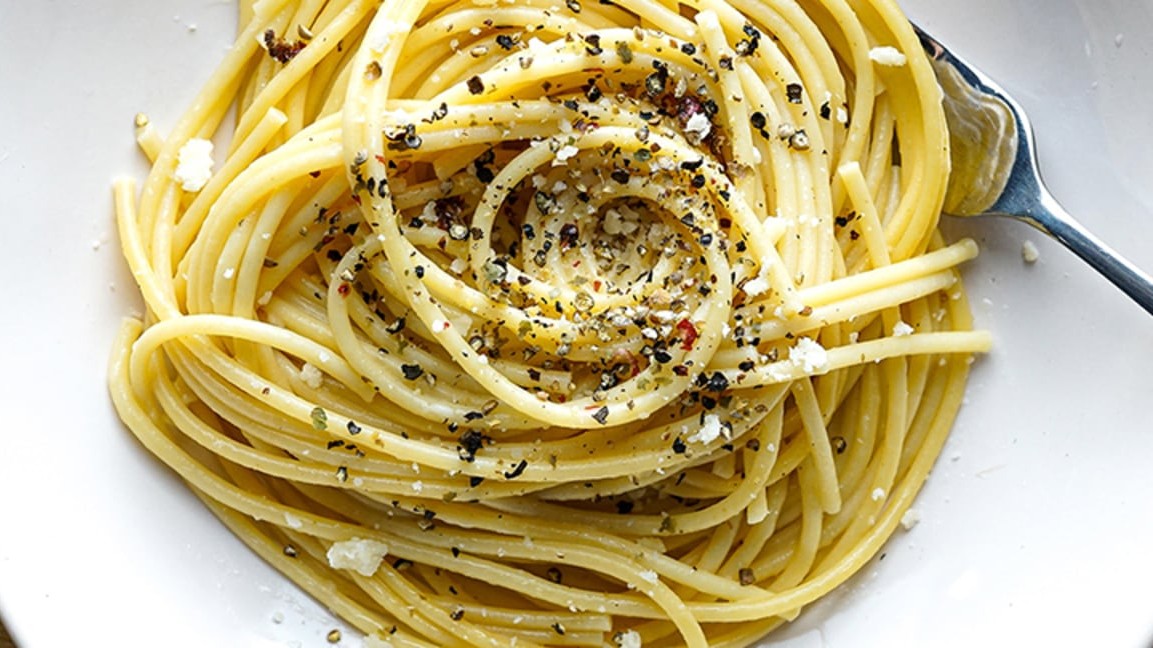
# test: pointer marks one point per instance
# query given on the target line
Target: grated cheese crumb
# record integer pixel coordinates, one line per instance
(194, 164)
(359, 555)
(311, 376)
(649, 575)
(878, 494)
(565, 154)
(628, 639)
(757, 286)
(709, 431)
(620, 220)
(809, 355)
(901, 329)
(887, 55)
(1029, 252)
(910, 519)
(698, 126)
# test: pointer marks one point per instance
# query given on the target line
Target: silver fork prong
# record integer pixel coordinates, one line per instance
(996, 173)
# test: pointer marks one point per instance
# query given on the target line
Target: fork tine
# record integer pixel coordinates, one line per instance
(995, 169)
(985, 128)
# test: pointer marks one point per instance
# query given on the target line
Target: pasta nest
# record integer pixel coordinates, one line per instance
(582, 323)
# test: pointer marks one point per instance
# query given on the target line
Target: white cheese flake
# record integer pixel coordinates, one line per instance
(565, 154)
(698, 126)
(710, 430)
(809, 355)
(311, 376)
(910, 519)
(1029, 252)
(878, 494)
(360, 555)
(628, 639)
(620, 220)
(887, 55)
(194, 164)
(901, 329)
(756, 286)
(649, 575)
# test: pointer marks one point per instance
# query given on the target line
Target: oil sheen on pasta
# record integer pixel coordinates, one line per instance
(579, 323)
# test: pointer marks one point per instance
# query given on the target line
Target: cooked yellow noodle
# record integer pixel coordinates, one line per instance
(608, 321)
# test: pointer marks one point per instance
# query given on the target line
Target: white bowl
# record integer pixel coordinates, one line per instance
(1036, 525)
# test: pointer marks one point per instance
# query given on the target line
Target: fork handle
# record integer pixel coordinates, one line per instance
(1051, 218)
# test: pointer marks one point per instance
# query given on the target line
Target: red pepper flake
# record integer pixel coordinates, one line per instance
(689, 334)
(343, 290)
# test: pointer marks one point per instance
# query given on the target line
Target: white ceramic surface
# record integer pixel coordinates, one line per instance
(1037, 524)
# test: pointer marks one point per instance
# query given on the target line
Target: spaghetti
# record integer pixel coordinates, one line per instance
(575, 323)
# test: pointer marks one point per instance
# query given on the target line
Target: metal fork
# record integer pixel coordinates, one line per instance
(995, 170)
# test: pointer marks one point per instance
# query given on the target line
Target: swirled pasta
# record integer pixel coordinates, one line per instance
(578, 323)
